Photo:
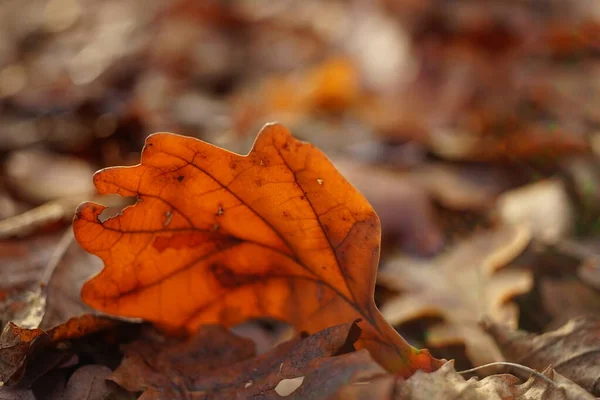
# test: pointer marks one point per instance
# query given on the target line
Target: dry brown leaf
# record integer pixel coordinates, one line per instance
(17, 344)
(90, 383)
(573, 350)
(217, 363)
(162, 364)
(461, 286)
(446, 383)
(325, 376)
(221, 238)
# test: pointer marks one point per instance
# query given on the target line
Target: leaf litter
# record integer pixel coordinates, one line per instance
(473, 110)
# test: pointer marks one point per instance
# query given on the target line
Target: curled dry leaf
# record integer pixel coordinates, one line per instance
(216, 362)
(446, 383)
(571, 350)
(461, 286)
(220, 238)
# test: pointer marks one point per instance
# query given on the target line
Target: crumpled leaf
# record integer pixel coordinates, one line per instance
(446, 383)
(216, 362)
(220, 238)
(571, 350)
(461, 286)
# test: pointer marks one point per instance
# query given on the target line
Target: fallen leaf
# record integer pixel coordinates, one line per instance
(571, 350)
(460, 286)
(153, 362)
(216, 362)
(17, 344)
(326, 376)
(220, 238)
(446, 383)
(89, 383)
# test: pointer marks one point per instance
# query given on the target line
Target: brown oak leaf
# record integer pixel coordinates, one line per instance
(220, 238)
(460, 286)
(572, 350)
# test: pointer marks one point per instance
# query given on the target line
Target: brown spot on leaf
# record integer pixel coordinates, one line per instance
(228, 278)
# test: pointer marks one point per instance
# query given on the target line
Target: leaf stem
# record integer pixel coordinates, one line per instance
(509, 364)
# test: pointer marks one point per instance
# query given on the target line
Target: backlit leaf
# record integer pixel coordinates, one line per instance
(220, 238)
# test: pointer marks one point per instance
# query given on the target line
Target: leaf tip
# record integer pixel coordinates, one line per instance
(88, 211)
(274, 130)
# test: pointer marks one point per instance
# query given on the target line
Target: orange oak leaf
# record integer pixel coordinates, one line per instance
(218, 238)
